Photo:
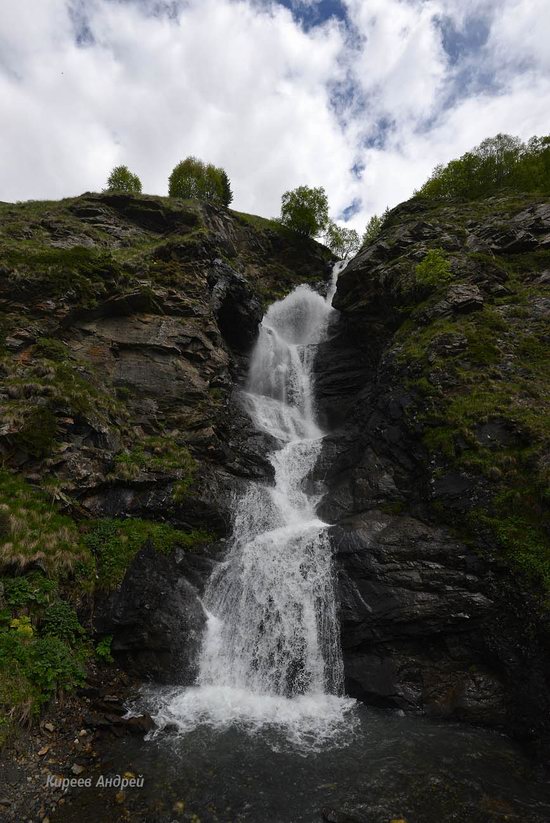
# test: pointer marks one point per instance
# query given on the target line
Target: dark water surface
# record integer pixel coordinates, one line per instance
(393, 768)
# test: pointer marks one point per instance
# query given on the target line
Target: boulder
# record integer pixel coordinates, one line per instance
(156, 620)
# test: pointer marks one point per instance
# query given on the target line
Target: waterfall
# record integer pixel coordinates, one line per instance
(271, 652)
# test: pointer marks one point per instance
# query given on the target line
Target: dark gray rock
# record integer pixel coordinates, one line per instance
(156, 620)
(415, 608)
(429, 622)
(235, 306)
(462, 298)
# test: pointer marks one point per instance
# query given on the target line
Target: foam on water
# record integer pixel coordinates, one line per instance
(271, 655)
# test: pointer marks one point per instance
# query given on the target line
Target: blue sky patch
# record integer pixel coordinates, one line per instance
(464, 42)
(313, 14)
(350, 211)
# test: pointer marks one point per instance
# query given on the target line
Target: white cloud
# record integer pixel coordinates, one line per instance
(241, 84)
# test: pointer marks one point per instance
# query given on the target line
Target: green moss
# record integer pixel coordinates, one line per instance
(51, 349)
(393, 507)
(423, 386)
(116, 542)
(440, 440)
(500, 375)
(38, 433)
(522, 536)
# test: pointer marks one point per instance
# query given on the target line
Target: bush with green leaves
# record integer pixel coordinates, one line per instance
(305, 210)
(192, 178)
(341, 241)
(103, 649)
(33, 667)
(434, 270)
(61, 621)
(47, 662)
(122, 179)
(29, 591)
(501, 163)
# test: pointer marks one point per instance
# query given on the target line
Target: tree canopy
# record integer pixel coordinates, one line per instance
(341, 241)
(501, 163)
(193, 178)
(305, 210)
(122, 179)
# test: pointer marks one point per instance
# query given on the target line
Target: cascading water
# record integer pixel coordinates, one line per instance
(270, 671)
(271, 653)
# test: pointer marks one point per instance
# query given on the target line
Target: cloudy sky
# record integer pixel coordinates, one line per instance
(362, 97)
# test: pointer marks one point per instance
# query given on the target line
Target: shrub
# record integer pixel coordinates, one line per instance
(192, 178)
(33, 589)
(122, 179)
(45, 663)
(103, 649)
(305, 210)
(61, 621)
(434, 270)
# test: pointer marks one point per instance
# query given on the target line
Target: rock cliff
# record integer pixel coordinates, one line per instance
(126, 323)
(435, 387)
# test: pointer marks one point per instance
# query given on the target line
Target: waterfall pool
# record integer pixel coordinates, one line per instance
(388, 768)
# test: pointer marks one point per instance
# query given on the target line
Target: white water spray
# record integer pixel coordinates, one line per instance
(271, 653)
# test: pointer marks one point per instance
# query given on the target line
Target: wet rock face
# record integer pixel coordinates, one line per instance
(236, 307)
(156, 620)
(419, 391)
(411, 598)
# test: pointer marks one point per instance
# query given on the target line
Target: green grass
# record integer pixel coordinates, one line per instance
(49, 563)
(261, 223)
(79, 274)
(48, 388)
(33, 534)
(500, 374)
(156, 453)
